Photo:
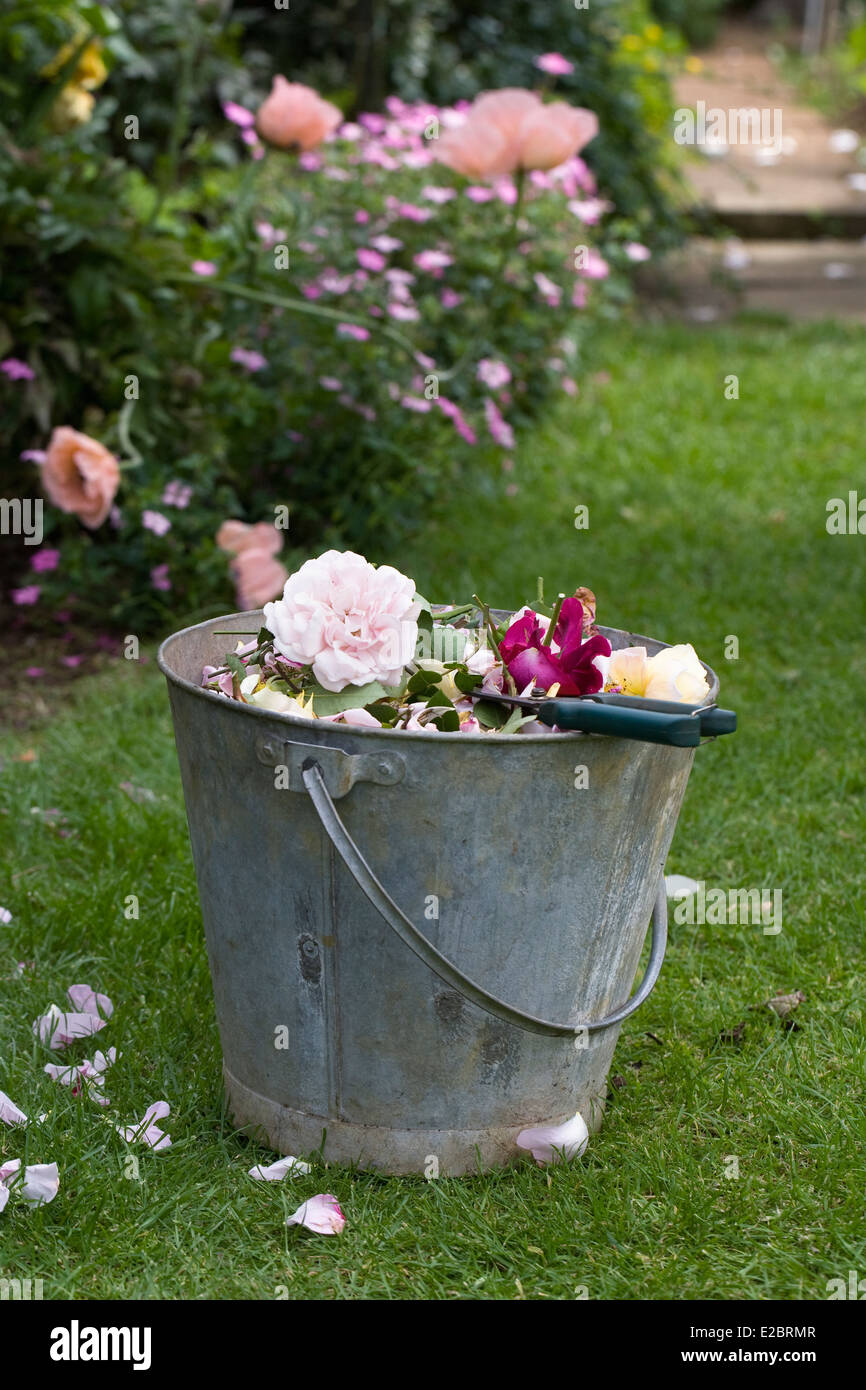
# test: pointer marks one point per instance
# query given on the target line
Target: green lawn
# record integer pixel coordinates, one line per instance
(707, 519)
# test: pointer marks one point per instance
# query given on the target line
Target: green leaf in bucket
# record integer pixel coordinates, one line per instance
(489, 715)
(352, 697)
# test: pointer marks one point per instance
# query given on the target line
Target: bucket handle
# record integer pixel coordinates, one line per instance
(409, 934)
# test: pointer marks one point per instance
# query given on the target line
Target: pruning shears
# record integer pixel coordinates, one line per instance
(623, 716)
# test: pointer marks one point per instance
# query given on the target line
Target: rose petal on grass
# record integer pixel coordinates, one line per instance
(9, 1112)
(555, 1143)
(58, 1029)
(275, 1172)
(320, 1214)
(40, 1182)
(86, 1075)
(89, 1002)
(147, 1131)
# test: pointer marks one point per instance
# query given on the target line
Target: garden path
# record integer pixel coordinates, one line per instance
(798, 216)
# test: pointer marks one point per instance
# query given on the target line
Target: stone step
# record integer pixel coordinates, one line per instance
(808, 185)
(714, 279)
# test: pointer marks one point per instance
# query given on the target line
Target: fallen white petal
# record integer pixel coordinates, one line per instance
(679, 886)
(555, 1143)
(275, 1172)
(9, 1112)
(39, 1185)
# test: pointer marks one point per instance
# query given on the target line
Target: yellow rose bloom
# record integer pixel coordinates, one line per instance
(90, 72)
(73, 107)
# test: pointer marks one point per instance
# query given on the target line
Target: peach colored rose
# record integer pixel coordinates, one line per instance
(513, 129)
(236, 536)
(258, 577)
(296, 115)
(553, 133)
(477, 150)
(80, 475)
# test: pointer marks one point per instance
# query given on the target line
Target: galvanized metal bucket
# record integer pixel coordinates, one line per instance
(409, 980)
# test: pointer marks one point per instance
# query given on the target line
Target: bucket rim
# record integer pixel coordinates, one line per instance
(634, 639)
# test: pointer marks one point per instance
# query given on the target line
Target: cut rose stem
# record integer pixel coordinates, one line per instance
(548, 636)
(491, 632)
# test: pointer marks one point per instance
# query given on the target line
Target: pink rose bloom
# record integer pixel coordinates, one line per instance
(245, 357)
(23, 598)
(386, 244)
(159, 578)
(455, 414)
(237, 114)
(371, 260)
(155, 522)
(479, 194)
(16, 370)
(204, 268)
(45, 559)
(494, 374)
(499, 428)
(296, 115)
(351, 622)
(550, 293)
(589, 210)
(594, 267)
(176, 494)
(449, 299)
(433, 261)
(353, 330)
(636, 251)
(80, 476)
(403, 313)
(436, 194)
(362, 216)
(513, 129)
(555, 64)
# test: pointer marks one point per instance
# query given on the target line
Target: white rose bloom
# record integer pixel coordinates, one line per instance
(675, 673)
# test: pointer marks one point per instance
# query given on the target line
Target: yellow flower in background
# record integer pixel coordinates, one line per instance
(693, 64)
(653, 33)
(650, 63)
(632, 43)
(73, 107)
(74, 103)
(89, 72)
